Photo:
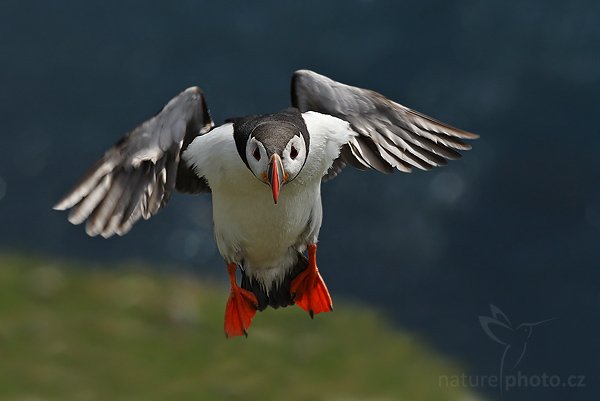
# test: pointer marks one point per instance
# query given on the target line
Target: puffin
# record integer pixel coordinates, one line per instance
(264, 174)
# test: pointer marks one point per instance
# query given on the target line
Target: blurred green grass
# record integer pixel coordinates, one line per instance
(77, 333)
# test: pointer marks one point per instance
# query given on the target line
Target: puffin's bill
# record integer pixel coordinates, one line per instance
(275, 173)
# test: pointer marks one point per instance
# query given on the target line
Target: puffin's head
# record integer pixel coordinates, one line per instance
(276, 152)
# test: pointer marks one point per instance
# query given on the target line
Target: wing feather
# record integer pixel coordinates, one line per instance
(135, 178)
(390, 135)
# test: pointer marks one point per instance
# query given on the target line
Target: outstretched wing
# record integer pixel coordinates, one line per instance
(136, 177)
(390, 136)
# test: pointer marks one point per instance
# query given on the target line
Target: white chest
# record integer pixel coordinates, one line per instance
(250, 228)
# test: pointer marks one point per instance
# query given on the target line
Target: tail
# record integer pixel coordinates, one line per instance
(276, 296)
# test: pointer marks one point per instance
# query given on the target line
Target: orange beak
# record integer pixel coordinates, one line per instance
(275, 174)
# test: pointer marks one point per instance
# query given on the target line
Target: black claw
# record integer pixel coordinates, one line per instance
(245, 333)
(311, 314)
(330, 308)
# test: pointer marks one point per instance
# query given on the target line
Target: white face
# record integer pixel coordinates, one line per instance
(257, 159)
(292, 158)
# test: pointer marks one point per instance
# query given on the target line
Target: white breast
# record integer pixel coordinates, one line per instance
(249, 227)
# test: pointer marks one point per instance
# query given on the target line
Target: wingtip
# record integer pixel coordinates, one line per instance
(302, 71)
(63, 204)
(462, 134)
(305, 72)
(194, 89)
(107, 235)
(91, 230)
(470, 135)
(75, 218)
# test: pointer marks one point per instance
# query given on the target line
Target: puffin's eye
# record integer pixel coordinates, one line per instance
(293, 153)
(256, 154)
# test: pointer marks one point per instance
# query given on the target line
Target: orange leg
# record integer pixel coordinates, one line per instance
(241, 307)
(308, 288)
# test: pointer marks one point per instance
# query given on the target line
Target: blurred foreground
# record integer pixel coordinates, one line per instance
(90, 334)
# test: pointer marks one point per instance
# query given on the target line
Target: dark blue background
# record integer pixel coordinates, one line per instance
(515, 223)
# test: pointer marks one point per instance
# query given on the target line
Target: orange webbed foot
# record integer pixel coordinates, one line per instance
(241, 308)
(308, 288)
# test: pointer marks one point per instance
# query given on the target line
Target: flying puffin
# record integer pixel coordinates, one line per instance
(264, 173)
